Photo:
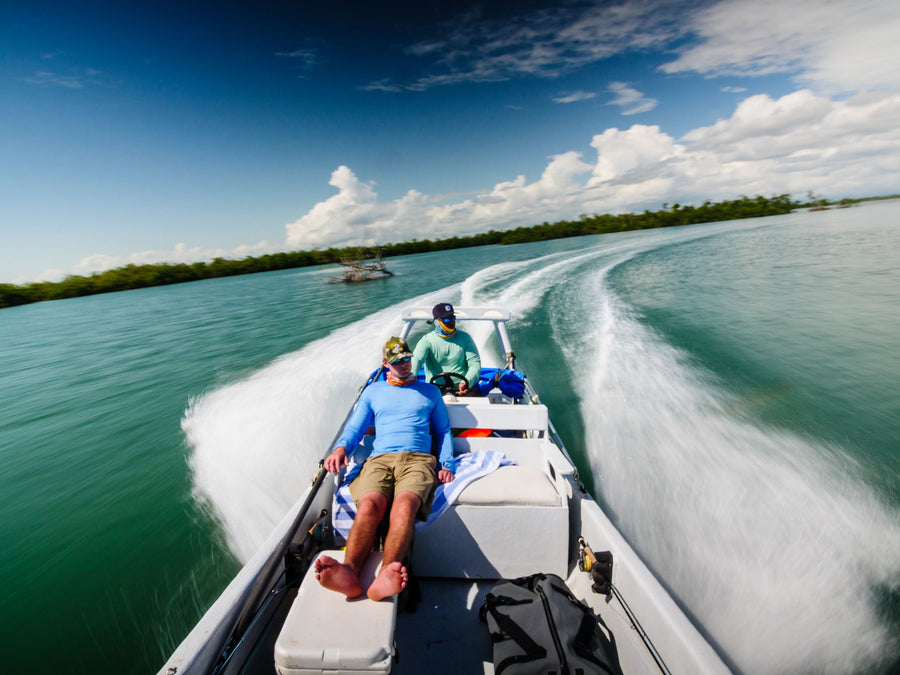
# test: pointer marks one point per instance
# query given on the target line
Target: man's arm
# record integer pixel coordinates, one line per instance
(473, 362)
(336, 460)
(420, 354)
(359, 421)
(440, 425)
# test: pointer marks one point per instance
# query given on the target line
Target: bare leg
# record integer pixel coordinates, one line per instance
(393, 575)
(344, 578)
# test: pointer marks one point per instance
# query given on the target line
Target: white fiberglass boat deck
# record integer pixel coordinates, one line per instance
(527, 517)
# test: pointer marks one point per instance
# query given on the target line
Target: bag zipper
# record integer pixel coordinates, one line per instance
(564, 665)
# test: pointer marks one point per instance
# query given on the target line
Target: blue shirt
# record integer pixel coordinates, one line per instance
(404, 417)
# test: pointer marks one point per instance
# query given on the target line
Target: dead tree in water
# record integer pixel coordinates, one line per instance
(362, 268)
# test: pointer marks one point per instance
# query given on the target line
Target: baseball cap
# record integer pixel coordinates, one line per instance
(395, 349)
(442, 310)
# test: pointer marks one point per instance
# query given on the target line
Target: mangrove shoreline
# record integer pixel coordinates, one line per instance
(134, 276)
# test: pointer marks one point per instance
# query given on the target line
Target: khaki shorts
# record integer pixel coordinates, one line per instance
(395, 472)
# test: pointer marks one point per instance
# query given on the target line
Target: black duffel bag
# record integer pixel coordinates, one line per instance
(538, 626)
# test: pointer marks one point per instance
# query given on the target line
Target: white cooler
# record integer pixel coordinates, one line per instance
(326, 633)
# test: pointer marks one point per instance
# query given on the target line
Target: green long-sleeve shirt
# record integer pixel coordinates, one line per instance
(454, 354)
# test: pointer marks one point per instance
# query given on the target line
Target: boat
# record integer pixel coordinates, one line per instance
(531, 515)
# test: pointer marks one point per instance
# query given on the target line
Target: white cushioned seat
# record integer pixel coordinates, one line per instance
(510, 523)
(512, 486)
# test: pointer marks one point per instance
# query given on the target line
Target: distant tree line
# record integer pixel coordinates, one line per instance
(144, 276)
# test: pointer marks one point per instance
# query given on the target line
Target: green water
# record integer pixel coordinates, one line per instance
(720, 386)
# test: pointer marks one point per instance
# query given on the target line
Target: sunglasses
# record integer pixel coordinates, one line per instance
(449, 319)
(405, 359)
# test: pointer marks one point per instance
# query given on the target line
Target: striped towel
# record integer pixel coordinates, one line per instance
(469, 466)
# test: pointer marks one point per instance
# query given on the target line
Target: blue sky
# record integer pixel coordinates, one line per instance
(147, 132)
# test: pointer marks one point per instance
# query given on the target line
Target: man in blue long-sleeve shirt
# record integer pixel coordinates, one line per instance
(401, 473)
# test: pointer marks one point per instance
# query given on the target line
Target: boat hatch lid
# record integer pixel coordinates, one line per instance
(326, 632)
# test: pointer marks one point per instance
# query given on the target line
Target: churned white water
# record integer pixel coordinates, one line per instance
(769, 539)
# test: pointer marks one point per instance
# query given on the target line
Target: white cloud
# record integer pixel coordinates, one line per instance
(630, 100)
(804, 142)
(620, 152)
(382, 85)
(828, 45)
(760, 116)
(337, 218)
(307, 58)
(548, 42)
(77, 78)
(575, 97)
(98, 262)
(831, 46)
(797, 143)
(304, 58)
(355, 216)
(54, 274)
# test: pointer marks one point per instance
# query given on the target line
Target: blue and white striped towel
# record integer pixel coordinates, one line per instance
(469, 466)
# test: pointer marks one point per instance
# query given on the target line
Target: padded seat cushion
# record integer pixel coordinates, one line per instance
(512, 486)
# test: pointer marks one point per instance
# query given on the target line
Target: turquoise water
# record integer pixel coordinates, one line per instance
(727, 389)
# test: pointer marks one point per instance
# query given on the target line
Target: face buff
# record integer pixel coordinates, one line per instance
(397, 382)
(444, 329)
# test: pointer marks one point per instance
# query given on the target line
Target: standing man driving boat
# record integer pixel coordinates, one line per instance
(399, 477)
(448, 349)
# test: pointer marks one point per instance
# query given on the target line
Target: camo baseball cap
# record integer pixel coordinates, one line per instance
(395, 349)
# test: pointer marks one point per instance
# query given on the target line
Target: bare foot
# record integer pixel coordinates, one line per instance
(337, 577)
(390, 581)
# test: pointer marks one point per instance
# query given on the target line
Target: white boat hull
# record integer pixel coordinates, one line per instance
(527, 518)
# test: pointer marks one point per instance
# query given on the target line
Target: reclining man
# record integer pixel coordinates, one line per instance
(448, 349)
(400, 475)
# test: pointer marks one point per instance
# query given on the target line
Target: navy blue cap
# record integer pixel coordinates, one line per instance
(443, 310)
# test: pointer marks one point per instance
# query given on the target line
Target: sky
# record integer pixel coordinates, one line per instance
(140, 132)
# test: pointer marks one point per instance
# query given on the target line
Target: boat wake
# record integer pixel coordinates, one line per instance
(769, 540)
